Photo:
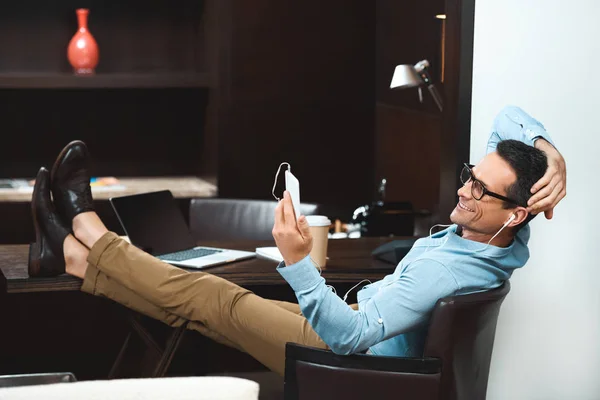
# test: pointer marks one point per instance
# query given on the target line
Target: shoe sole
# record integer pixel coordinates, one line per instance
(35, 249)
(59, 159)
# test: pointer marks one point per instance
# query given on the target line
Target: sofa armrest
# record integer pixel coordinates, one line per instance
(36, 379)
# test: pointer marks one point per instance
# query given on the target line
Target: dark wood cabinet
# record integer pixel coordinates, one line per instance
(227, 89)
(57, 80)
(133, 36)
(143, 113)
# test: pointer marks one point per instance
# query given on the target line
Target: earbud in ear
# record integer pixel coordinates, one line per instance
(512, 217)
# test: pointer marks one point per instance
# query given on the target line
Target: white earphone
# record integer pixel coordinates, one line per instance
(512, 217)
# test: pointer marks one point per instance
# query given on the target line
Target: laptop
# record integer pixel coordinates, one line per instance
(154, 223)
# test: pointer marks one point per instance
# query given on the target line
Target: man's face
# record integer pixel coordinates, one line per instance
(487, 215)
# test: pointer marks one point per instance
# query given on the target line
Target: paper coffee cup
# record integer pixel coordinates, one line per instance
(319, 228)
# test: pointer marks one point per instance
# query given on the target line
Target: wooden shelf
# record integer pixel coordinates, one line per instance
(103, 81)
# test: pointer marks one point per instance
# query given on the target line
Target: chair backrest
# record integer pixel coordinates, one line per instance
(461, 333)
(235, 219)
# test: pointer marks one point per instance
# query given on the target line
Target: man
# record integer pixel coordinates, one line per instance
(486, 243)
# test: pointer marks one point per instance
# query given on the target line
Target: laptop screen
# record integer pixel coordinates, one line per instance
(153, 222)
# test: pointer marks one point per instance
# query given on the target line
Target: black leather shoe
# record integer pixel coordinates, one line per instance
(46, 256)
(70, 181)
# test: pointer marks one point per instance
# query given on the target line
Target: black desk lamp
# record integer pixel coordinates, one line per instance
(407, 76)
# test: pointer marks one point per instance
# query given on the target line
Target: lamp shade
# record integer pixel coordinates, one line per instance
(405, 76)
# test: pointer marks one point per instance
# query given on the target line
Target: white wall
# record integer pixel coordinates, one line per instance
(544, 55)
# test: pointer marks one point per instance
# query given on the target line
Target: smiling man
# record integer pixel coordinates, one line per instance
(486, 243)
(513, 168)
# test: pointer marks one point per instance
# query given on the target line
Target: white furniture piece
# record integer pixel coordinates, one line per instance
(196, 388)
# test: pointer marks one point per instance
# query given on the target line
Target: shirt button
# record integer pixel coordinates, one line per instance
(380, 320)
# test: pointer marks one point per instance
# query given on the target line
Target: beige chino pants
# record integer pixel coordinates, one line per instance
(214, 306)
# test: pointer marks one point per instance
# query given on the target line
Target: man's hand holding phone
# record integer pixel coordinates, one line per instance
(292, 236)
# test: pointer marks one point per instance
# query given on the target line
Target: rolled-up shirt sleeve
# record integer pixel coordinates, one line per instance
(514, 123)
(399, 305)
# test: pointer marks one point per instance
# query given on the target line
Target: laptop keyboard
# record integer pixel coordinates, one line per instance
(188, 254)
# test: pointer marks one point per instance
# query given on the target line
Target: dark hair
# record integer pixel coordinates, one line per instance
(529, 164)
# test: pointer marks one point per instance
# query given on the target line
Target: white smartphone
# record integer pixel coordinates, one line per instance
(292, 185)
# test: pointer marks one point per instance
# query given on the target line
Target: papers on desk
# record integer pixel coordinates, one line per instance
(271, 253)
(11, 185)
(101, 184)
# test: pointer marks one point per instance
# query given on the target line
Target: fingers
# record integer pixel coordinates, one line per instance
(541, 205)
(550, 201)
(544, 180)
(555, 196)
(542, 194)
(304, 228)
(279, 219)
(544, 191)
(551, 188)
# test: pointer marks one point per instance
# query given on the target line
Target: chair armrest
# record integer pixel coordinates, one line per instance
(428, 365)
(36, 379)
(314, 373)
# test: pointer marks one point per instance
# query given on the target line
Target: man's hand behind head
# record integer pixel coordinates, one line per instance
(552, 187)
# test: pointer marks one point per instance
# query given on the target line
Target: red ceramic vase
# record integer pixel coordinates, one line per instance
(83, 49)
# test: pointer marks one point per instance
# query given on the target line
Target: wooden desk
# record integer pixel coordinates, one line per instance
(349, 259)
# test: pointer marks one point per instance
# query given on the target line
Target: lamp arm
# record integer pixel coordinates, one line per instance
(436, 96)
(421, 68)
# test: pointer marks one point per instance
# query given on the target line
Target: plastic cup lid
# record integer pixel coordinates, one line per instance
(317, 220)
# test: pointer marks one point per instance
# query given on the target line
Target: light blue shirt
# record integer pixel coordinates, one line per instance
(393, 313)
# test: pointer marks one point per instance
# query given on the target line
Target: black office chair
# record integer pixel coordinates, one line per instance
(455, 363)
(36, 379)
(235, 219)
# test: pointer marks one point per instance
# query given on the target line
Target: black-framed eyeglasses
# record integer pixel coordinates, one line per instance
(478, 189)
